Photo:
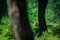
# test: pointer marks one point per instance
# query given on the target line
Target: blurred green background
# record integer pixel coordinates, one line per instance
(52, 21)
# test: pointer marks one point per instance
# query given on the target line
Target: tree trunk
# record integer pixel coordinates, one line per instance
(27, 33)
(41, 15)
(17, 10)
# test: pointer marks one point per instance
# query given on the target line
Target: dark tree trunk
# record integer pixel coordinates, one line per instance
(41, 15)
(27, 33)
(17, 10)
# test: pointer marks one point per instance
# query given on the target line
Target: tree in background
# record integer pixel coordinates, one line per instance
(41, 15)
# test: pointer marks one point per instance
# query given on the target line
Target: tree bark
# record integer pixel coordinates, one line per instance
(27, 33)
(41, 15)
(17, 10)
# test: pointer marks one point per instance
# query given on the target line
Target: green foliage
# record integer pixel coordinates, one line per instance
(47, 36)
(5, 29)
(57, 30)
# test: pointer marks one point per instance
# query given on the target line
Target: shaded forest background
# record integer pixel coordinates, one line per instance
(52, 20)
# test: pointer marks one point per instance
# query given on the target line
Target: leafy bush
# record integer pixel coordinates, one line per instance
(47, 36)
(5, 29)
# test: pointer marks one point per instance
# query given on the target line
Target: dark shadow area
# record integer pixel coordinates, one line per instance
(26, 31)
(3, 8)
(57, 30)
